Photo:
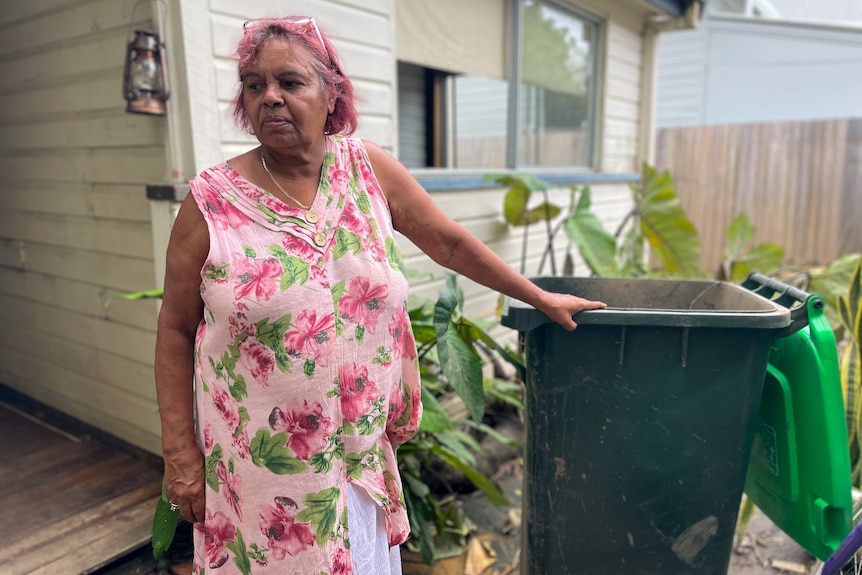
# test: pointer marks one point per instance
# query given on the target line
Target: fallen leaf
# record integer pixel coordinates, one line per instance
(512, 520)
(479, 557)
(789, 566)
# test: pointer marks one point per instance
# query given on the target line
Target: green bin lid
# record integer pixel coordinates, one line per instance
(799, 472)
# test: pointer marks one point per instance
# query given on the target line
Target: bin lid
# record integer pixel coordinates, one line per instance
(799, 472)
(684, 303)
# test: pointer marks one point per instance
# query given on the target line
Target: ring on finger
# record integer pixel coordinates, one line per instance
(174, 506)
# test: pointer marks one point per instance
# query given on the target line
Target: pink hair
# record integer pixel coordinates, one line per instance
(344, 118)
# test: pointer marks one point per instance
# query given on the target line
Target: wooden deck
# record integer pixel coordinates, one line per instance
(70, 503)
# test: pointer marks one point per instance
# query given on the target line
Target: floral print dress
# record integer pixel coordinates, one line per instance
(306, 377)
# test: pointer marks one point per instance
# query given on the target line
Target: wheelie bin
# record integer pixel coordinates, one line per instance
(639, 424)
(799, 471)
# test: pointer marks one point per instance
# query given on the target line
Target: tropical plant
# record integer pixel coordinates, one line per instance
(850, 314)
(448, 345)
(656, 227)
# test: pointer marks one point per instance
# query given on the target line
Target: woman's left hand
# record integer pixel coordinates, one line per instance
(561, 307)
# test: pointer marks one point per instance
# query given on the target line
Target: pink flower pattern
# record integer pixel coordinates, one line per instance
(354, 220)
(284, 535)
(357, 391)
(226, 406)
(274, 417)
(341, 563)
(363, 303)
(222, 212)
(402, 335)
(307, 425)
(231, 486)
(255, 278)
(216, 529)
(313, 336)
(258, 359)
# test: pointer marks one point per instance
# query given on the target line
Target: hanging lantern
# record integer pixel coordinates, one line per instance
(145, 79)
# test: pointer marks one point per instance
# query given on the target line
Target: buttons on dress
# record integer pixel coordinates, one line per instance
(312, 217)
(320, 239)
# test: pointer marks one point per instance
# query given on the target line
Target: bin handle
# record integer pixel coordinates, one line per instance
(793, 298)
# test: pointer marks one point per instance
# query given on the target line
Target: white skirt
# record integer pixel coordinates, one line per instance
(369, 546)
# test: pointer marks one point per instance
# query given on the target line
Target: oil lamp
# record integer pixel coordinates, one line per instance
(145, 79)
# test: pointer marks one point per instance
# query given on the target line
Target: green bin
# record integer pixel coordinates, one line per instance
(799, 472)
(639, 424)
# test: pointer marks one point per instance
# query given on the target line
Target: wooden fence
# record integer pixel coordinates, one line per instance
(800, 183)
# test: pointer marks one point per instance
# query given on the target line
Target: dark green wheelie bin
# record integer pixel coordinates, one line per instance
(639, 424)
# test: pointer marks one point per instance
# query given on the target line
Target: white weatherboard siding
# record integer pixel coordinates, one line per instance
(74, 220)
(681, 78)
(735, 70)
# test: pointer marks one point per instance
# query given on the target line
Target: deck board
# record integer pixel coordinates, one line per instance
(70, 503)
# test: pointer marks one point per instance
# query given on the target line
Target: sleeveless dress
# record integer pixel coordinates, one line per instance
(306, 376)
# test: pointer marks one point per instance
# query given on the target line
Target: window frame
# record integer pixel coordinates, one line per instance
(448, 178)
(595, 112)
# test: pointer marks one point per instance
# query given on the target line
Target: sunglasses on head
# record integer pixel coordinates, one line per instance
(299, 20)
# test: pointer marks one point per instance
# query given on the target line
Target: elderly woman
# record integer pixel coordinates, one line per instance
(285, 304)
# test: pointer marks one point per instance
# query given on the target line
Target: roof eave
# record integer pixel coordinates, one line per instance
(674, 8)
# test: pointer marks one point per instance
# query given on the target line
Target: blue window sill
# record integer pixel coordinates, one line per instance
(443, 180)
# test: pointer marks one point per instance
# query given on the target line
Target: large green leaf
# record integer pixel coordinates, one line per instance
(763, 258)
(459, 443)
(164, 526)
(444, 309)
(460, 362)
(478, 479)
(595, 244)
(434, 417)
(739, 233)
(452, 286)
(670, 234)
(850, 315)
(469, 331)
(832, 282)
(740, 260)
(421, 506)
(463, 369)
(521, 187)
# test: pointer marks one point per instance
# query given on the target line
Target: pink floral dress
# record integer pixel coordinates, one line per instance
(306, 377)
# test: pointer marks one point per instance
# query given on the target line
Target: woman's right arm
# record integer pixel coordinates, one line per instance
(181, 312)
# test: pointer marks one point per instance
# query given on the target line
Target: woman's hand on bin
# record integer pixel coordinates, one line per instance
(561, 307)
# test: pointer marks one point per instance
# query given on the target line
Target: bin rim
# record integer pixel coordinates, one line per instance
(771, 316)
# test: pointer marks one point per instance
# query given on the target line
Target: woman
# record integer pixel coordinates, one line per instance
(285, 304)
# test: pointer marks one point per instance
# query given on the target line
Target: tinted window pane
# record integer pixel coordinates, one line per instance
(480, 109)
(556, 92)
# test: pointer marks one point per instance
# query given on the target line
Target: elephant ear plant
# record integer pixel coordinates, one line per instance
(655, 237)
(451, 350)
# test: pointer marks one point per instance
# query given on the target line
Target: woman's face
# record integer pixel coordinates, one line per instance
(283, 96)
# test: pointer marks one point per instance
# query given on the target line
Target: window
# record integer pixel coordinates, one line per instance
(457, 119)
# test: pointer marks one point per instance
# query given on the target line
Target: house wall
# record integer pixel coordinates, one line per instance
(75, 225)
(74, 221)
(736, 70)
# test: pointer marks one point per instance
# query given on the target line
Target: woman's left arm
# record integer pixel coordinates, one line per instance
(415, 215)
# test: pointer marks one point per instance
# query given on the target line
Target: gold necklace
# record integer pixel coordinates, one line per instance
(263, 161)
